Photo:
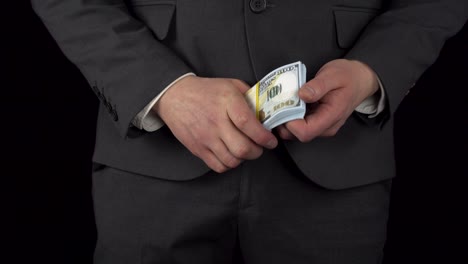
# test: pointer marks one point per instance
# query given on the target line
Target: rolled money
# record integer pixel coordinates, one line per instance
(275, 99)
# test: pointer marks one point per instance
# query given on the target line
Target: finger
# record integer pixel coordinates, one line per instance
(212, 161)
(314, 124)
(239, 145)
(223, 154)
(244, 120)
(284, 133)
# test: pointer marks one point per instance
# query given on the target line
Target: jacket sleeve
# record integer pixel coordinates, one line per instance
(118, 55)
(402, 42)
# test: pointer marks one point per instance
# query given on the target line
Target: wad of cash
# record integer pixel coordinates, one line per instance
(275, 98)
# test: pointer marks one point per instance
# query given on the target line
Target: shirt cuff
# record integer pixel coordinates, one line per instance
(374, 104)
(149, 120)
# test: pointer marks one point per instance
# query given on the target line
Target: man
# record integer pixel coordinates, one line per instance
(184, 172)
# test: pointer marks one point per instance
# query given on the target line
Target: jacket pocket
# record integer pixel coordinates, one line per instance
(350, 22)
(156, 14)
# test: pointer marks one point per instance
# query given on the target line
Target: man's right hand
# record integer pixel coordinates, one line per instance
(211, 118)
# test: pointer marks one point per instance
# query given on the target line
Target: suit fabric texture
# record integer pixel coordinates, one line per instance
(263, 212)
(129, 50)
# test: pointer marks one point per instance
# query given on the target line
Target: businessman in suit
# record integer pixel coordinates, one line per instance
(184, 173)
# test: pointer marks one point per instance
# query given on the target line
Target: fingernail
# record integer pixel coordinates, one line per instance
(272, 144)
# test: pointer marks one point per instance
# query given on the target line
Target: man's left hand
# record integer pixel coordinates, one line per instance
(331, 97)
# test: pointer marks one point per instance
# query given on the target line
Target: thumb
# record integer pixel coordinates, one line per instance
(324, 81)
(314, 90)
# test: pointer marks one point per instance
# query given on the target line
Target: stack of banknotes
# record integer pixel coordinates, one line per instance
(275, 98)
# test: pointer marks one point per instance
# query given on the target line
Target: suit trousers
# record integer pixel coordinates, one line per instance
(263, 212)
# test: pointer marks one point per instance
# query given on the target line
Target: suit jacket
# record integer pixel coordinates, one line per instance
(129, 50)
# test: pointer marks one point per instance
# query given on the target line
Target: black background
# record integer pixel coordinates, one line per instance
(49, 116)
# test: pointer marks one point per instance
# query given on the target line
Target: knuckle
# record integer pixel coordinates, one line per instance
(219, 168)
(241, 151)
(198, 139)
(240, 120)
(231, 161)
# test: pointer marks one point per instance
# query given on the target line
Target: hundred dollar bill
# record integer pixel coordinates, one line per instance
(275, 99)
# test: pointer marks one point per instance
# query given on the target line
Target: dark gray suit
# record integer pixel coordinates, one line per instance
(129, 50)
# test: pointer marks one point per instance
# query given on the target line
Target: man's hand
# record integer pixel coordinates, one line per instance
(337, 89)
(211, 118)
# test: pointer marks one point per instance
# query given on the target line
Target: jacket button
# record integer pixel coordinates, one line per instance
(258, 6)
